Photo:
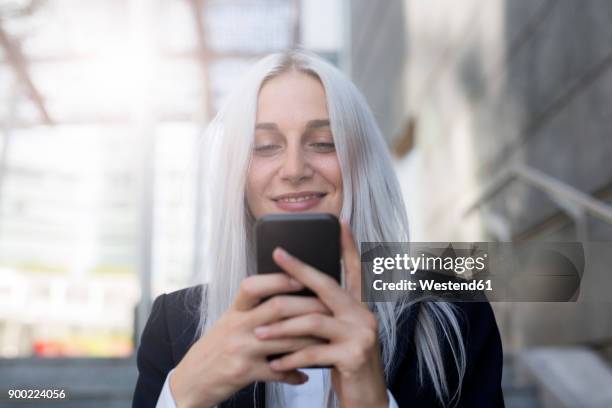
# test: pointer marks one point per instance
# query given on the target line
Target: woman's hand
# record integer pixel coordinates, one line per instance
(352, 330)
(229, 356)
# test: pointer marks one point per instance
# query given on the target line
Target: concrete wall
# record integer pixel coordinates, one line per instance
(377, 49)
(492, 83)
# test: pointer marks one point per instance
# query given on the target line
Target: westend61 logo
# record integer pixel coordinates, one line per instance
(476, 271)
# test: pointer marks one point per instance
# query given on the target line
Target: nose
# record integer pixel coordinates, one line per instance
(295, 166)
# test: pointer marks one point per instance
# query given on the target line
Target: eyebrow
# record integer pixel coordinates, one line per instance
(311, 124)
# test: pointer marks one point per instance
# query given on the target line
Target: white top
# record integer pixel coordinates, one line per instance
(296, 396)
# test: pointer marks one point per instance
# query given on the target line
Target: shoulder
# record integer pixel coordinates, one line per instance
(183, 303)
(479, 333)
(179, 312)
(168, 334)
(172, 323)
(481, 383)
(476, 319)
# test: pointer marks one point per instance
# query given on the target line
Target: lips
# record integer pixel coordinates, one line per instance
(300, 201)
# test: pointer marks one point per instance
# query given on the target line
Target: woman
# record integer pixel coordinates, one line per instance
(296, 135)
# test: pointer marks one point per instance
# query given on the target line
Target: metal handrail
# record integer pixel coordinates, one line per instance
(575, 202)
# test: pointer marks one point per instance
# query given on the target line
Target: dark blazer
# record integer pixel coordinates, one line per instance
(170, 329)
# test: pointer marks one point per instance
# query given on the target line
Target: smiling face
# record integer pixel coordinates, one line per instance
(294, 166)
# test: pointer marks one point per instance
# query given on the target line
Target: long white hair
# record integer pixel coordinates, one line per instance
(372, 202)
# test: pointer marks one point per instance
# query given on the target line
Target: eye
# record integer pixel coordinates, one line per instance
(266, 149)
(323, 146)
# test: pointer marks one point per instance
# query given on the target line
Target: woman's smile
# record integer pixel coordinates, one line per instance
(300, 201)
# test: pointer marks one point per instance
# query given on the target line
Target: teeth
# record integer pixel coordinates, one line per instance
(296, 199)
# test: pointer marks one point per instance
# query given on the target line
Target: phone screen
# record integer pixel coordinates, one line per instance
(314, 238)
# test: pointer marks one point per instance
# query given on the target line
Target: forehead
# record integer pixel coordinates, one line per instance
(291, 98)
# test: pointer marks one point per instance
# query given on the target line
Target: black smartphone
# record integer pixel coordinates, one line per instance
(314, 238)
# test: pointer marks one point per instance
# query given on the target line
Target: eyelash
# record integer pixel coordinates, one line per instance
(264, 148)
(268, 148)
(324, 146)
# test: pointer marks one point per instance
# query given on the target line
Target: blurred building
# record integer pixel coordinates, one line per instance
(102, 107)
(499, 114)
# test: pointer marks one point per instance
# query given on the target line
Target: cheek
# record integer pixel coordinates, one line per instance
(329, 168)
(258, 178)
(252, 186)
(333, 174)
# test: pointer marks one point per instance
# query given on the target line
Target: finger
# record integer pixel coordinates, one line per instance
(280, 346)
(326, 288)
(320, 355)
(313, 324)
(282, 307)
(254, 288)
(351, 260)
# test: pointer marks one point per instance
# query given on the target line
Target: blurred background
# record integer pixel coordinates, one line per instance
(497, 112)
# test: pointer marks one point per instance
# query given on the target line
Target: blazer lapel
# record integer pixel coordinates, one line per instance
(405, 334)
(260, 394)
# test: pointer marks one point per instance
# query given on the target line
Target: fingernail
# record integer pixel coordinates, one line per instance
(295, 283)
(275, 364)
(282, 254)
(261, 331)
